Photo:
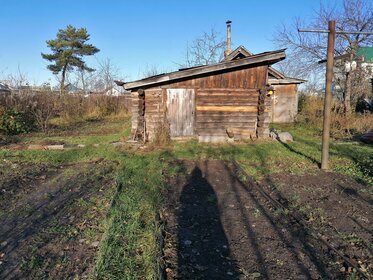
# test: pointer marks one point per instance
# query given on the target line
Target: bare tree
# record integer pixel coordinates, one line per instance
(107, 73)
(100, 80)
(18, 79)
(151, 70)
(206, 49)
(43, 108)
(307, 49)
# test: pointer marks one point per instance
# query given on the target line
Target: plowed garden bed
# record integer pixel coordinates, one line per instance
(219, 226)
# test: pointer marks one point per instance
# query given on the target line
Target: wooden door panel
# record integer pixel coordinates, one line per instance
(180, 111)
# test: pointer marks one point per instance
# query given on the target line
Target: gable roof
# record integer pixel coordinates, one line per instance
(262, 58)
(242, 52)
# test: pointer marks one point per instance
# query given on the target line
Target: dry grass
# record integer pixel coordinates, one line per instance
(46, 108)
(311, 112)
(162, 135)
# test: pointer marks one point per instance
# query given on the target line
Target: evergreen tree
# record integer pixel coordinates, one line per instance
(68, 50)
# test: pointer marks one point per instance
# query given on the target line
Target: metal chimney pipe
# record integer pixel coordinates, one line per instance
(229, 50)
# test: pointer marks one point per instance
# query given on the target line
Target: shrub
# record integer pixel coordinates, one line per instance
(162, 134)
(341, 126)
(310, 108)
(42, 106)
(13, 122)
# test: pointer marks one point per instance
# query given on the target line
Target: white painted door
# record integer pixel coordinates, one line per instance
(180, 111)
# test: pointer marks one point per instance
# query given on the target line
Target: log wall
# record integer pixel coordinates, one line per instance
(155, 100)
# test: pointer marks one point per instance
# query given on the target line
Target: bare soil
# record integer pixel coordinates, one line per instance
(219, 226)
(51, 218)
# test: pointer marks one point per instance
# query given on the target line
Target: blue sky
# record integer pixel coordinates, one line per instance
(136, 35)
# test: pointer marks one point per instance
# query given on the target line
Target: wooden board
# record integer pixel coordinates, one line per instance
(228, 108)
(180, 112)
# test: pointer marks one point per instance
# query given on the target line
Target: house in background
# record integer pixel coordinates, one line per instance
(232, 99)
(365, 55)
(5, 90)
(357, 66)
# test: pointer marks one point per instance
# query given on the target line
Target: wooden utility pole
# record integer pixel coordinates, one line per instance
(328, 87)
(328, 97)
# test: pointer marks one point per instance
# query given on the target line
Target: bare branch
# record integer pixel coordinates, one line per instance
(206, 49)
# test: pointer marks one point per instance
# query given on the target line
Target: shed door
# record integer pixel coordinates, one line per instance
(180, 111)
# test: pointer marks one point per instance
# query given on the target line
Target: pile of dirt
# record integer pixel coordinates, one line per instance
(219, 226)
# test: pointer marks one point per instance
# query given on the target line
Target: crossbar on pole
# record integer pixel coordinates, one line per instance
(337, 32)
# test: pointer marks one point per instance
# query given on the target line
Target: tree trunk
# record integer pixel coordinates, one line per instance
(347, 95)
(62, 86)
(83, 81)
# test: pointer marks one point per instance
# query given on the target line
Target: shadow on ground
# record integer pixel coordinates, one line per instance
(220, 227)
(203, 248)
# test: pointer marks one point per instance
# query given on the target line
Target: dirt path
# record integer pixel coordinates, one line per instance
(50, 220)
(219, 227)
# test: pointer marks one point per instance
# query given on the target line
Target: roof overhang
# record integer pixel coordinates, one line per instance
(285, 81)
(267, 58)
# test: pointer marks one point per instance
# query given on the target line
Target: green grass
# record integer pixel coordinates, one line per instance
(130, 248)
(262, 158)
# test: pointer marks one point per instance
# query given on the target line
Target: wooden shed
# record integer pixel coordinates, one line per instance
(227, 100)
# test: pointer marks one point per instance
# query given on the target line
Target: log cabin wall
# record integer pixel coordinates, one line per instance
(285, 103)
(154, 110)
(138, 112)
(226, 104)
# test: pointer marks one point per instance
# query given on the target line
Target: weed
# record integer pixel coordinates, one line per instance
(351, 238)
(34, 262)
(211, 198)
(257, 213)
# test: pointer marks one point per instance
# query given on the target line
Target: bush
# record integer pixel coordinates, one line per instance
(341, 126)
(310, 108)
(13, 122)
(43, 106)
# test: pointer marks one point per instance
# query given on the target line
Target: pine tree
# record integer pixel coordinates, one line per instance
(68, 50)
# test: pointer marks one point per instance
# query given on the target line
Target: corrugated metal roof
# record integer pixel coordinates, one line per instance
(366, 52)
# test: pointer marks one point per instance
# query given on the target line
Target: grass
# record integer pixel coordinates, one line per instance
(300, 157)
(130, 248)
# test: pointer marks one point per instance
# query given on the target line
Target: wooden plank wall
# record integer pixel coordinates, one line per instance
(255, 77)
(285, 103)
